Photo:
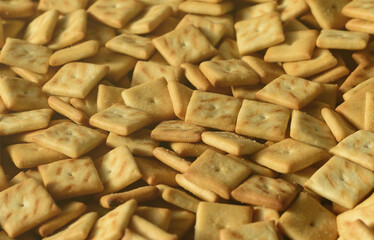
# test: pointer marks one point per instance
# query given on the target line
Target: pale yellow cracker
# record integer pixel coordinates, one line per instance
(195, 189)
(339, 39)
(359, 75)
(298, 46)
(212, 217)
(172, 3)
(177, 131)
(75, 79)
(131, 235)
(255, 168)
(333, 74)
(24, 121)
(196, 77)
(108, 95)
(267, 71)
(151, 97)
(342, 182)
(308, 129)
(31, 76)
(212, 9)
(226, 20)
(180, 198)
(87, 105)
(21, 95)
(294, 25)
(180, 97)
(259, 33)
(362, 9)
(217, 173)
(257, 230)
(171, 159)
(368, 118)
(246, 92)
(184, 45)
(339, 127)
(158, 215)
(67, 110)
(348, 219)
(71, 139)
(255, 10)
(99, 32)
(329, 95)
(12, 27)
(13, 9)
(290, 91)
(3, 180)
(166, 26)
(360, 25)
(133, 45)
(228, 49)
(115, 13)
(191, 149)
(120, 119)
(213, 110)
(314, 109)
(19, 53)
(357, 230)
(290, 9)
(328, 14)
(306, 219)
(62, 6)
(149, 230)
(139, 143)
(69, 30)
(181, 222)
(261, 213)
(27, 202)
(262, 120)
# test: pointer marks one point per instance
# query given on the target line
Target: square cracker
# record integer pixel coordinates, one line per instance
(333, 74)
(75, 79)
(61, 5)
(255, 168)
(360, 25)
(262, 120)
(212, 217)
(180, 198)
(177, 131)
(181, 222)
(13, 9)
(191, 149)
(310, 130)
(184, 45)
(120, 119)
(298, 46)
(196, 190)
(256, 230)
(339, 127)
(132, 45)
(31, 76)
(362, 9)
(108, 96)
(265, 191)
(226, 73)
(342, 181)
(307, 219)
(231, 142)
(70, 139)
(99, 32)
(290, 91)
(289, 156)
(24, 121)
(357, 147)
(115, 13)
(28, 203)
(21, 95)
(339, 39)
(359, 75)
(180, 97)
(171, 159)
(255, 11)
(151, 97)
(69, 29)
(117, 169)
(267, 71)
(217, 173)
(206, 8)
(213, 110)
(259, 33)
(328, 14)
(157, 215)
(369, 112)
(71, 178)
(19, 53)
(228, 49)
(291, 9)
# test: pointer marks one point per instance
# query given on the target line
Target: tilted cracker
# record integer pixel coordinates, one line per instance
(148, 19)
(133, 45)
(148, 71)
(31, 76)
(246, 92)
(255, 168)
(180, 97)
(228, 49)
(294, 25)
(24, 121)
(360, 25)
(120, 119)
(328, 14)
(139, 143)
(131, 235)
(309, 20)
(3, 180)
(262, 120)
(362, 9)
(261, 213)
(259, 33)
(166, 26)
(172, 3)
(267, 71)
(231, 142)
(289, 156)
(217, 173)
(359, 75)
(87, 105)
(181, 222)
(70, 139)
(117, 169)
(75, 79)
(196, 77)
(339, 127)
(177, 131)
(12, 27)
(368, 118)
(21, 95)
(339, 39)
(184, 45)
(212, 30)
(62, 6)
(314, 109)
(171, 159)
(148, 229)
(342, 182)
(357, 230)
(310, 130)
(226, 73)
(40, 30)
(191, 149)
(255, 11)
(151, 97)
(333, 74)
(69, 29)
(10, 9)
(28, 202)
(69, 211)
(67, 110)
(74, 53)
(321, 60)
(108, 96)
(195, 189)
(180, 198)
(20, 177)
(119, 64)
(157, 215)
(115, 13)
(306, 219)
(291, 92)
(263, 229)
(113, 224)
(212, 217)
(290, 9)
(212, 9)
(99, 32)
(213, 110)
(298, 46)
(29, 155)
(226, 20)
(19, 53)
(329, 95)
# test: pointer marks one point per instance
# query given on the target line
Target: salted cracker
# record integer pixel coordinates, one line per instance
(131, 235)
(359, 75)
(328, 14)
(180, 97)
(31, 76)
(362, 9)
(206, 8)
(99, 32)
(360, 25)
(255, 11)
(166, 26)
(339, 127)
(196, 77)
(368, 118)
(67, 110)
(12, 27)
(171, 159)
(262, 229)
(291, 9)
(108, 96)
(191, 149)
(148, 229)
(294, 25)
(333, 74)
(62, 6)
(246, 92)
(3, 180)
(256, 169)
(11, 9)
(267, 71)
(196, 190)
(356, 230)
(180, 198)
(157, 215)
(177, 131)
(181, 222)
(228, 49)
(339, 39)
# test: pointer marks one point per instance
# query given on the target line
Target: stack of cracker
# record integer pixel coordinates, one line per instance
(195, 119)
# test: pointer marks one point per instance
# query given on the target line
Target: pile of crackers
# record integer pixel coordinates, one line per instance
(196, 119)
